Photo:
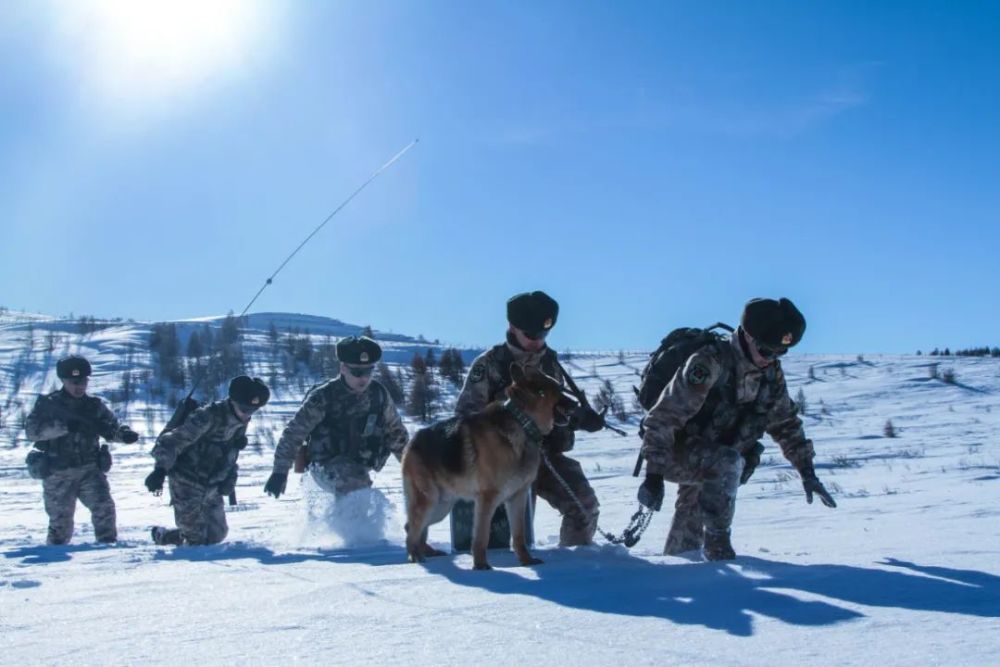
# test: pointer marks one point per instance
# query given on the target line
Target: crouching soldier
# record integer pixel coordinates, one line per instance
(350, 422)
(703, 431)
(200, 456)
(530, 317)
(68, 456)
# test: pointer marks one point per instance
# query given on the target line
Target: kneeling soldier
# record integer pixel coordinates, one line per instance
(351, 424)
(200, 458)
(68, 457)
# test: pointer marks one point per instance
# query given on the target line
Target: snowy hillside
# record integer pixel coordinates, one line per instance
(905, 571)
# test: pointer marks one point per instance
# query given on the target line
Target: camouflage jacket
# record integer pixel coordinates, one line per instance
(338, 422)
(205, 447)
(720, 398)
(51, 419)
(489, 376)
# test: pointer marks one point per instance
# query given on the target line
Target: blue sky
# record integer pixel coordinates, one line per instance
(649, 165)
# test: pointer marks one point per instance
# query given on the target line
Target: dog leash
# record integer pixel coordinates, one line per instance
(637, 525)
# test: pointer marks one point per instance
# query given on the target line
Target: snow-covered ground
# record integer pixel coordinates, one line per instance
(905, 571)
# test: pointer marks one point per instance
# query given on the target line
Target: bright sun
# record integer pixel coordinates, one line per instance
(133, 51)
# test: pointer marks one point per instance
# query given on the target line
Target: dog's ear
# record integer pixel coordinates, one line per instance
(517, 373)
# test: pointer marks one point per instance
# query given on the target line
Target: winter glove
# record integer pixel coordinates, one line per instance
(38, 464)
(276, 484)
(154, 481)
(127, 435)
(651, 492)
(812, 485)
(587, 419)
(751, 460)
(240, 443)
(104, 459)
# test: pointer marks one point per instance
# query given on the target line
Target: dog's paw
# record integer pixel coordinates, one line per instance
(431, 552)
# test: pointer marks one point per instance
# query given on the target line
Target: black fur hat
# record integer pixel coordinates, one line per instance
(358, 350)
(773, 323)
(248, 391)
(532, 312)
(73, 366)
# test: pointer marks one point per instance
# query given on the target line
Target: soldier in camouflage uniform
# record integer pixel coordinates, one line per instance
(68, 457)
(200, 458)
(531, 315)
(350, 422)
(703, 431)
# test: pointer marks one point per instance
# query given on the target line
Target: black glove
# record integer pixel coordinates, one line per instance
(127, 435)
(154, 480)
(751, 460)
(276, 484)
(812, 485)
(240, 443)
(651, 492)
(588, 419)
(104, 459)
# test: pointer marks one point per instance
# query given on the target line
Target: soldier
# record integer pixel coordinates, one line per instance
(200, 458)
(531, 316)
(350, 424)
(68, 457)
(703, 431)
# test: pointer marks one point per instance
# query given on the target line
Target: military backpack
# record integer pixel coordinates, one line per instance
(671, 355)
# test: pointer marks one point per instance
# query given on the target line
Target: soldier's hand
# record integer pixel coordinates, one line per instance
(588, 419)
(154, 481)
(812, 485)
(127, 435)
(240, 443)
(751, 460)
(651, 492)
(276, 483)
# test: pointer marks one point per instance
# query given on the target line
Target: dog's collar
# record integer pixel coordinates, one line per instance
(524, 419)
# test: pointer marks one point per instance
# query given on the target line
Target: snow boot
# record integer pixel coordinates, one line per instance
(163, 536)
(718, 546)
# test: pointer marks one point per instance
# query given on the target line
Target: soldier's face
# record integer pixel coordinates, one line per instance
(529, 343)
(357, 377)
(75, 387)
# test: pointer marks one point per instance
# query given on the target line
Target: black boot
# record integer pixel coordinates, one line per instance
(718, 546)
(162, 536)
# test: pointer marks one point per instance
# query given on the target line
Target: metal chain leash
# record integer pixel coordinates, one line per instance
(637, 524)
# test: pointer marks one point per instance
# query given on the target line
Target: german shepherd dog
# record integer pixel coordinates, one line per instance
(489, 457)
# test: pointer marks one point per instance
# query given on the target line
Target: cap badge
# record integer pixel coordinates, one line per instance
(76, 372)
(547, 324)
(255, 401)
(364, 357)
(787, 339)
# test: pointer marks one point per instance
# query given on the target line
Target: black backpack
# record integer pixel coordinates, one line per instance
(673, 351)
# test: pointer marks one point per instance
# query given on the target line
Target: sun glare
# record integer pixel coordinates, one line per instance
(135, 51)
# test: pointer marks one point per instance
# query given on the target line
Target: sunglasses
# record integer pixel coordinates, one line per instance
(771, 352)
(536, 335)
(83, 380)
(247, 408)
(360, 371)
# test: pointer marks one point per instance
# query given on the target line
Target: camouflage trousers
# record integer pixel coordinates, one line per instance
(578, 527)
(87, 484)
(341, 476)
(708, 480)
(199, 512)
